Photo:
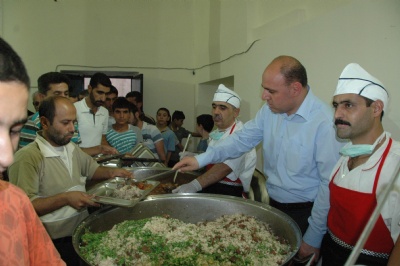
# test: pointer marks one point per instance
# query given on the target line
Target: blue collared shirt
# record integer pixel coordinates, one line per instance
(300, 151)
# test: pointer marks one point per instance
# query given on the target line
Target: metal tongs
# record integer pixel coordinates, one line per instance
(184, 149)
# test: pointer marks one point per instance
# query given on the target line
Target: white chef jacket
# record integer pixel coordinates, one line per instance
(242, 167)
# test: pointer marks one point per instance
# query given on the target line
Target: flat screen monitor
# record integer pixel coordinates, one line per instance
(123, 81)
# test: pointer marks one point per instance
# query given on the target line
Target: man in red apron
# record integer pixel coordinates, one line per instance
(233, 176)
(362, 173)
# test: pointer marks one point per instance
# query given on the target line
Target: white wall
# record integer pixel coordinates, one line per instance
(323, 35)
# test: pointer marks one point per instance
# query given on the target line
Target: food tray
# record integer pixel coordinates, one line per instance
(104, 191)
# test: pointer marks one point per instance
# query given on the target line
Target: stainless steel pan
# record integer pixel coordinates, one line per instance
(192, 208)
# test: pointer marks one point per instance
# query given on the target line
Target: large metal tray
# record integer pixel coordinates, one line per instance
(104, 191)
(191, 208)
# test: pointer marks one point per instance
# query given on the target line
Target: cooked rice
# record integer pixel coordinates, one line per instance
(127, 192)
(230, 240)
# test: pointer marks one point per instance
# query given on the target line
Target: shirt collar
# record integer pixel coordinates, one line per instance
(86, 107)
(88, 110)
(304, 112)
(47, 149)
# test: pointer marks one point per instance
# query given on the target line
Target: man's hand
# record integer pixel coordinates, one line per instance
(104, 172)
(184, 154)
(191, 187)
(186, 164)
(79, 200)
(105, 149)
(306, 250)
(121, 173)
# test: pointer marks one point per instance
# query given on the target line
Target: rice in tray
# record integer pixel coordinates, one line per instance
(127, 192)
(229, 240)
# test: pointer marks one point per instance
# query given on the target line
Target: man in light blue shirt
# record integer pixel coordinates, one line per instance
(299, 147)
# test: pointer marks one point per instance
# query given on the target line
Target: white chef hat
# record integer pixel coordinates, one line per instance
(354, 79)
(223, 94)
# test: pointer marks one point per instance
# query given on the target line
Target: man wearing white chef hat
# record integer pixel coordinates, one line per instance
(299, 149)
(362, 173)
(233, 176)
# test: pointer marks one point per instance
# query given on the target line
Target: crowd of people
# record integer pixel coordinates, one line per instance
(326, 167)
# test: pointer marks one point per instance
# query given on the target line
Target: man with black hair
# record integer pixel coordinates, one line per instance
(362, 174)
(49, 84)
(111, 96)
(152, 137)
(82, 95)
(176, 126)
(37, 98)
(23, 239)
(136, 98)
(92, 116)
(122, 135)
(205, 124)
(53, 171)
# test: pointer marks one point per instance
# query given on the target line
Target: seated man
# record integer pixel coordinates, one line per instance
(233, 176)
(52, 171)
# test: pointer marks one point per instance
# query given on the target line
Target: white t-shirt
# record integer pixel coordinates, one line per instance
(91, 126)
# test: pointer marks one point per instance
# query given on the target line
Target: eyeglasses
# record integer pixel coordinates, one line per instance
(36, 103)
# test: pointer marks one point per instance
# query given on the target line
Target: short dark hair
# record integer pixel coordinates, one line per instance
(135, 94)
(134, 109)
(11, 66)
(178, 115)
(45, 80)
(73, 94)
(293, 70)
(84, 93)
(100, 78)
(206, 121)
(47, 108)
(113, 90)
(368, 102)
(121, 102)
(166, 110)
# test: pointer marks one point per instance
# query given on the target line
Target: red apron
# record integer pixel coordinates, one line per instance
(350, 211)
(226, 180)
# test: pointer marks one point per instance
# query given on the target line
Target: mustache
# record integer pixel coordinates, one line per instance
(342, 122)
(217, 117)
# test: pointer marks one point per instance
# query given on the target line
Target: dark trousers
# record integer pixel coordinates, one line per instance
(333, 254)
(219, 188)
(67, 252)
(299, 212)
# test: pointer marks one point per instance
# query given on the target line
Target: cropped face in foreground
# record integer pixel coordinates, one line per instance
(13, 106)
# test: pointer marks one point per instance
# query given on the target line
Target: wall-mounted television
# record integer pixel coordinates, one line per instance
(123, 81)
